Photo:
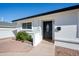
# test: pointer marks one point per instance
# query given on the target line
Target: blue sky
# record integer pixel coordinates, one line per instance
(13, 11)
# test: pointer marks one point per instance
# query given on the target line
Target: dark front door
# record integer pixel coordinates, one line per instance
(47, 30)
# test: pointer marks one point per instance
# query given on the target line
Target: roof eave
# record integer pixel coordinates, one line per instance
(55, 11)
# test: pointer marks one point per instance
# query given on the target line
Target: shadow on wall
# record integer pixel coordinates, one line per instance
(14, 32)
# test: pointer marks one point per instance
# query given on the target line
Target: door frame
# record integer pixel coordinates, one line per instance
(53, 31)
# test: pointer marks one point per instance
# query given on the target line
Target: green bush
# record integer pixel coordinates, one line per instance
(23, 36)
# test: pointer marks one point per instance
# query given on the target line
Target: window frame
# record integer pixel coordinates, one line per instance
(27, 25)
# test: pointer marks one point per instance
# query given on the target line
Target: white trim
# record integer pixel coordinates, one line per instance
(67, 45)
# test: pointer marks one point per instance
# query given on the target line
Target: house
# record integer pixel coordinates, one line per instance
(59, 26)
(6, 30)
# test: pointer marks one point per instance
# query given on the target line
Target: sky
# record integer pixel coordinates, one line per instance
(13, 11)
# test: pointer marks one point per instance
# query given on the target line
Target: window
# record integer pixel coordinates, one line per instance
(27, 25)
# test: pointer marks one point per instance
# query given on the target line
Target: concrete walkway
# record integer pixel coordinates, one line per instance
(45, 48)
(15, 48)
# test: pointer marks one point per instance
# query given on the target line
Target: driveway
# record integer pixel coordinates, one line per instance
(13, 47)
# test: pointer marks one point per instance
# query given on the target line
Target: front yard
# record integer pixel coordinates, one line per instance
(45, 48)
(10, 46)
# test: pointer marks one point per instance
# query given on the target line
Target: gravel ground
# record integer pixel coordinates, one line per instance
(12, 46)
(60, 51)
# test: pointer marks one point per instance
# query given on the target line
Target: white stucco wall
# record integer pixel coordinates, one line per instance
(67, 45)
(37, 29)
(6, 32)
(68, 32)
(68, 23)
(78, 25)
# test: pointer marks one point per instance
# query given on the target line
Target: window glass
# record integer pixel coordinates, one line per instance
(27, 25)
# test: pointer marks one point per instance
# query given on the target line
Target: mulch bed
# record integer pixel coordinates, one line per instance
(61, 51)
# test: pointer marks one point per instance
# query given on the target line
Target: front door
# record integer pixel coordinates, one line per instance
(47, 30)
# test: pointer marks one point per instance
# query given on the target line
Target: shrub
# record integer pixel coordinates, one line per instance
(23, 36)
